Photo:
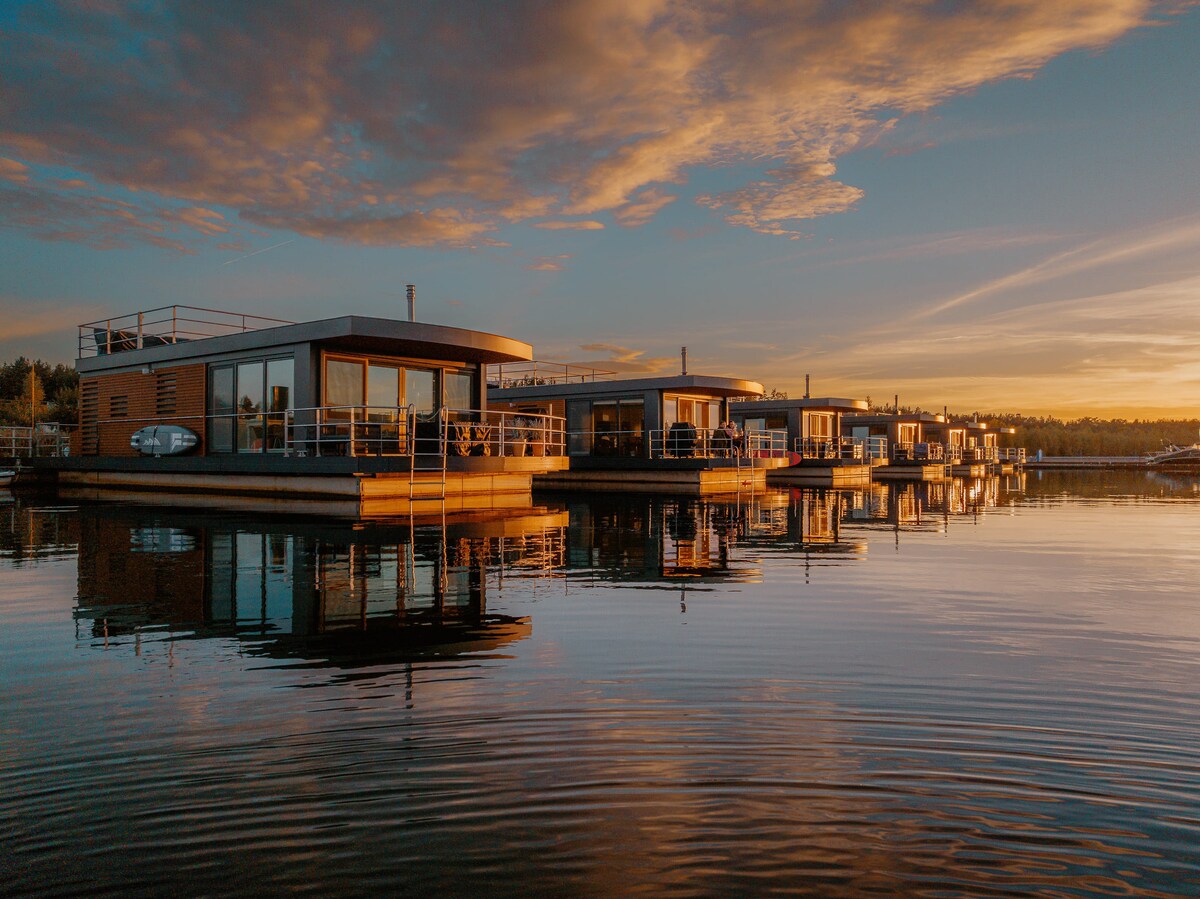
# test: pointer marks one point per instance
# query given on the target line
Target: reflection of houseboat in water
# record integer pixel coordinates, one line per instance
(928, 505)
(342, 593)
(660, 539)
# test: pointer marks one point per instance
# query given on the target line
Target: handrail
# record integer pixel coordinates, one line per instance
(387, 430)
(361, 430)
(842, 448)
(715, 443)
(138, 330)
(50, 439)
(918, 451)
(536, 374)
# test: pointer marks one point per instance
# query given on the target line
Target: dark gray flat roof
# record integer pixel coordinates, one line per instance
(352, 333)
(699, 385)
(901, 417)
(836, 403)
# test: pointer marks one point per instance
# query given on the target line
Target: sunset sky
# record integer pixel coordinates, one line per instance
(990, 205)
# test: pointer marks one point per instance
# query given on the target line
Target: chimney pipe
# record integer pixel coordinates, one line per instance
(412, 302)
(807, 393)
(897, 404)
(683, 358)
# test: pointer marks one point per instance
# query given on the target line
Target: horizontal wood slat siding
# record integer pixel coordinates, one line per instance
(141, 396)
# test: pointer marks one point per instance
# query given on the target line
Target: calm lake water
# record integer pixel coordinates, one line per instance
(974, 688)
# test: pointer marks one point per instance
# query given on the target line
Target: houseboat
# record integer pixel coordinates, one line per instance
(820, 455)
(661, 433)
(387, 415)
(910, 453)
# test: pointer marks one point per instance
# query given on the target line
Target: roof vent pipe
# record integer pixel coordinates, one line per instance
(683, 358)
(412, 302)
(807, 393)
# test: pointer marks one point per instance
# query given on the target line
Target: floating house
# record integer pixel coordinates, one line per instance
(654, 433)
(820, 455)
(387, 415)
(910, 453)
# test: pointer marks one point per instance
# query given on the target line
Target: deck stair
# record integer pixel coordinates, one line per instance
(423, 462)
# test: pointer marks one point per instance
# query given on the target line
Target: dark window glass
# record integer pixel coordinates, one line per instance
(579, 427)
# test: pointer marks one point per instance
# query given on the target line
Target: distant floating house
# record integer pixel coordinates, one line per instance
(388, 415)
(652, 433)
(820, 454)
(911, 453)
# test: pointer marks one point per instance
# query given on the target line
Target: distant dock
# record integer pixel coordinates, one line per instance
(1049, 463)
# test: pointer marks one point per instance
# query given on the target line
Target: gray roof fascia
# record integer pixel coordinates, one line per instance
(479, 345)
(821, 402)
(699, 384)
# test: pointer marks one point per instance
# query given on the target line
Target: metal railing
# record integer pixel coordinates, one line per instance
(350, 431)
(400, 431)
(715, 443)
(1011, 454)
(165, 325)
(44, 439)
(980, 454)
(909, 451)
(365, 431)
(873, 447)
(841, 448)
(536, 374)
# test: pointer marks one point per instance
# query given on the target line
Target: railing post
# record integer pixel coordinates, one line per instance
(141, 320)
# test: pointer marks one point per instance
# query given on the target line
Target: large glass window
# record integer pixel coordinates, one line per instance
(250, 388)
(604, 428)
(281, 376)
(420, 390)
(248, 404)
(383, 392)
(220, 409)
(343, 383)
(820, 426)
(460, 390)
(579, 427)
(633, 424)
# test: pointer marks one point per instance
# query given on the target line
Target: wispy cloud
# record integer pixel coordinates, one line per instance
(1093, 255)
(625, 360)
(1142, 344)
(561, 225)
(549, 263)
(437, 124)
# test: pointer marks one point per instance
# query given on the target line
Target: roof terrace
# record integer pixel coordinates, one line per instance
(163, 326)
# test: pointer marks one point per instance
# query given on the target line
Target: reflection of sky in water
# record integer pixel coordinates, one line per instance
(979, 687)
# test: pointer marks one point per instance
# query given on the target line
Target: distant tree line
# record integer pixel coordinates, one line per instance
(51, 394)
(1080, 436)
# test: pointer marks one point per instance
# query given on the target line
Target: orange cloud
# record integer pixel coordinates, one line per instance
(549, 263)
(560, 225)
(11, 170)
(438, 124)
